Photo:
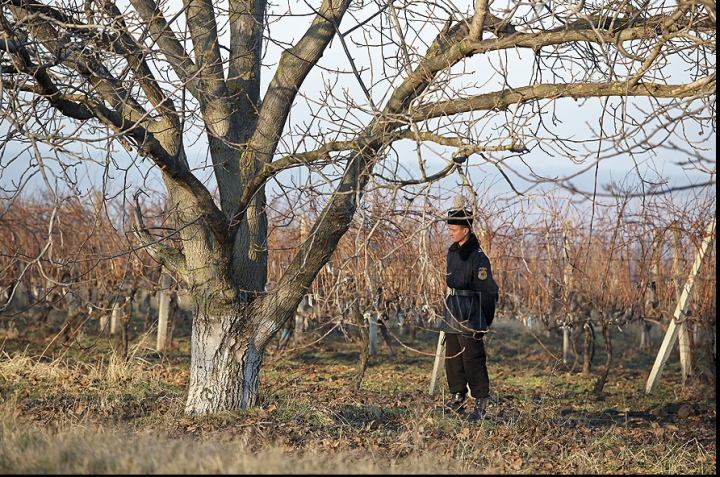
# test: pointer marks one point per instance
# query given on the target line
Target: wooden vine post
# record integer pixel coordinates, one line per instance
(549, 280)
(568, 283)
(684, 344)
(299, 325)
(371, 317)
(163, 297)
(116, 316)
(680, 310)
(437, 366)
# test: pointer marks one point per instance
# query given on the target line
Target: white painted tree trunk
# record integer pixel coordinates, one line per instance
(224, 367)
(163, 311)
(680, 310)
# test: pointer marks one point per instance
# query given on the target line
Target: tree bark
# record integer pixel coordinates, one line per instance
(125, 325)
(588, 348)
(224, 365)
(600, 383)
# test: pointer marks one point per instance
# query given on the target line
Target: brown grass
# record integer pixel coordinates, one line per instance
(92, 413)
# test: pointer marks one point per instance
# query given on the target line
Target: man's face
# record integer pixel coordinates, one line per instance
(458, 233)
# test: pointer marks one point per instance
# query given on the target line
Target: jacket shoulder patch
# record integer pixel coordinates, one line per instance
(482, 273)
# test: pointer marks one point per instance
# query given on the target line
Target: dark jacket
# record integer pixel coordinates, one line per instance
(468, 269)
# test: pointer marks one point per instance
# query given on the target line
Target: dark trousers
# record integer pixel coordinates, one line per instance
(469, 368)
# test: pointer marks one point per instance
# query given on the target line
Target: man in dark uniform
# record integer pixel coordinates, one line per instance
(469, 311)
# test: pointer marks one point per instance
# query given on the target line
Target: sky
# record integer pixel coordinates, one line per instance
(658, 164)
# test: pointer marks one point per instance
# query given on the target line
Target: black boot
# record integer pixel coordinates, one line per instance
(456, 402)
(478, 413)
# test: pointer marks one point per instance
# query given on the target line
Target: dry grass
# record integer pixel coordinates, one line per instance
(104, 415)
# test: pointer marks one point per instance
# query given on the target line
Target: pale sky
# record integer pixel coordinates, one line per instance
(657, 165)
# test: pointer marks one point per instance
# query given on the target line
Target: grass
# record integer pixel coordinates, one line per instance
(78, 411)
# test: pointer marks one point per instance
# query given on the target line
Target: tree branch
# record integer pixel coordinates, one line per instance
(171, 167)
(172, 48)
(501, 100)
(47, 87)
(447, 50)
(294, 66)
(170, 257)
(478, 20)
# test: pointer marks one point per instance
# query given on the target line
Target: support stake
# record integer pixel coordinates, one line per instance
(680, 310)
(439, 357)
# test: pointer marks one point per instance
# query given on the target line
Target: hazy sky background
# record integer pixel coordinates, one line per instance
(578, 118)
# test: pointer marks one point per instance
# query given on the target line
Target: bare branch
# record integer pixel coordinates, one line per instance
(170, 257)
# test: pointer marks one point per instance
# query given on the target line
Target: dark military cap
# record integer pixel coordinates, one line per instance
(459, 217)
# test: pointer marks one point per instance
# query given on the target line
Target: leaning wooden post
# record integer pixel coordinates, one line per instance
(163, 311)
(680, 310)
(437, 366)
(568, 282)
(683, 333)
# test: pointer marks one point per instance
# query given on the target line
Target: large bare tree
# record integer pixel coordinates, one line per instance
(482, 84)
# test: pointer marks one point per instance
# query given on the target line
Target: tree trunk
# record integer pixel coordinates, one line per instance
(684, 347)
(125, 326)
(589, 348)
(224, 366)
(684, 338)
(69, 328)
(600, 384)
(287, 333)
(389, 339)
(645, 342)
